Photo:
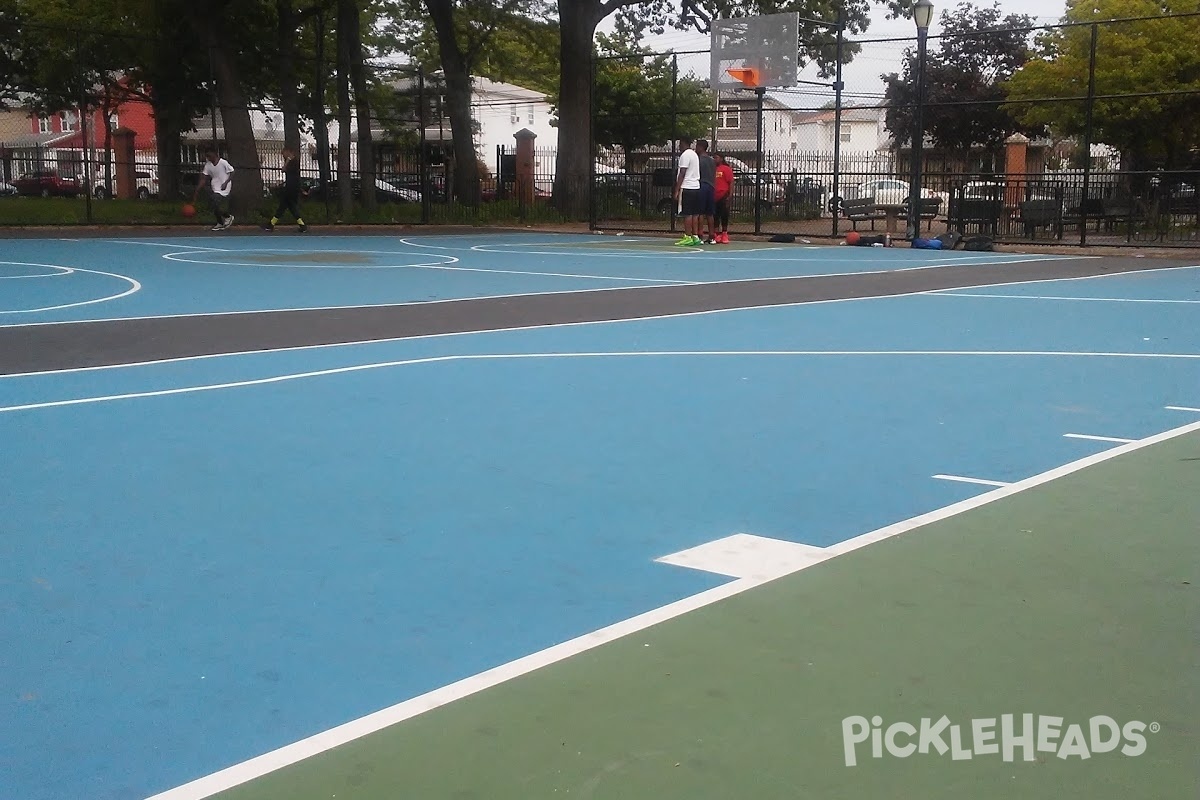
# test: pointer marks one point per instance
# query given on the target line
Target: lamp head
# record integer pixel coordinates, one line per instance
(923, 14)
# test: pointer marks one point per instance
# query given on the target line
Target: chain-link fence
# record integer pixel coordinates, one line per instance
(1092, 138)
(1073, 134)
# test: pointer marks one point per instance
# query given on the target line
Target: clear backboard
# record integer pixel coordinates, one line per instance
(761, 50)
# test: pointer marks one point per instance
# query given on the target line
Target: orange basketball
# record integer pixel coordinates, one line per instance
(852, 237)
(189, 210)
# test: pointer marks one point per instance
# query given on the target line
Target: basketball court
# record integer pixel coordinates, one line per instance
(535, 515)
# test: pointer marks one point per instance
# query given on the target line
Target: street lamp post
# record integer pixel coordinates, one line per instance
(922, 16)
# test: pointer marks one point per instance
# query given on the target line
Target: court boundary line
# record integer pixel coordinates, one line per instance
(293, 753)
(954, 293)
(966, 479)
(435, 303)
(447, 266)
(378, 365)
(694, 252)
(424, 336)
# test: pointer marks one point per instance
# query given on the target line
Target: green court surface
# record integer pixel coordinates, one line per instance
(1074, 597)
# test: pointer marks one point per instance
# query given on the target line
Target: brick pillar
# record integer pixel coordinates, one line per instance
(525, 139)
(1015, 148)
(123, 155)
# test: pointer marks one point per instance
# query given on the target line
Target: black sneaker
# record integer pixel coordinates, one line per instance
(268, 226)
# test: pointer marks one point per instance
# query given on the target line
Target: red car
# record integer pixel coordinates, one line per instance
(47, 182)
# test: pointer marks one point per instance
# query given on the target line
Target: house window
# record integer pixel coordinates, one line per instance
(116, 122)
(68, 121)
(728, 118)
(531, 115)
(514, 116)
(845, 137)
(43, 124)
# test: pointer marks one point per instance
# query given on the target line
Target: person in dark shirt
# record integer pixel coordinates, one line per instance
(289, 196)
(708, 180)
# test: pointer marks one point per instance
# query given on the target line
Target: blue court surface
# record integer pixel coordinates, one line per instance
(88, 279)
(211, 558)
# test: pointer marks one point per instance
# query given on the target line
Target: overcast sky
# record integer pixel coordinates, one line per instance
(862, 75)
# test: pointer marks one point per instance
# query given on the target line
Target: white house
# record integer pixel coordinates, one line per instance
(862, 130)
(501, 109)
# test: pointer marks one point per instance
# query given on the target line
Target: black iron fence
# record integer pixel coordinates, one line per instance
(1109, 154)
(1094, 139)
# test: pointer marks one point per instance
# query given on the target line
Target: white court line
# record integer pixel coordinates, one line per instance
(134, 287)
(962, 479)
(1182, 408)
(356, 729)
(952, 293)
(393, 339)
(64, 271)
(160, 244)
(1097, 438)
(711, 254)
(613, 354)
(443, 266)
(790, 304)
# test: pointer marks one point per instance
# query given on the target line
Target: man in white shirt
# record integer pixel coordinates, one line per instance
(687, 192)
(219, 173)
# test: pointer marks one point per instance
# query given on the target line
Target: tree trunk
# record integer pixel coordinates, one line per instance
(345, 111)
(577, 21)
(168, 130)
(289, 93)
(358, 75)
(458, 100)
(320, 118)
(242, 151)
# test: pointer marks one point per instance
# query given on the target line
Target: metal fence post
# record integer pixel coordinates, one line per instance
(674, 127)
(1087, 137)
(423, 156)
(760, 91)
(838, 85)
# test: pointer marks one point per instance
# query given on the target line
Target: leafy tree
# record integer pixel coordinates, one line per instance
(1151, 56)
(978, 50)
(523, 50)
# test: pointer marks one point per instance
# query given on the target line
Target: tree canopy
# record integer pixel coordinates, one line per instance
(965, 74)
(1157, 58)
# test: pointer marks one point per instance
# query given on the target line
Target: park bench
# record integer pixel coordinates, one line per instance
(862, 209)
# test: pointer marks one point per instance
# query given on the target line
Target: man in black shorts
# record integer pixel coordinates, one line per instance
(687, 192)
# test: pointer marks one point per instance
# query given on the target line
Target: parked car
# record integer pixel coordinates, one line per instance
(147, 186)
(893, 192)
(47, 183)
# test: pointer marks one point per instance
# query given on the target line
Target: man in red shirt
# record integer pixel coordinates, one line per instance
(723, 194)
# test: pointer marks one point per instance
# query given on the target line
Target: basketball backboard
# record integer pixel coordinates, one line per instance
(761, 50)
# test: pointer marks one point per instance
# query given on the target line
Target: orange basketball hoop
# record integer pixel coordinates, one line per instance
(747, 75)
